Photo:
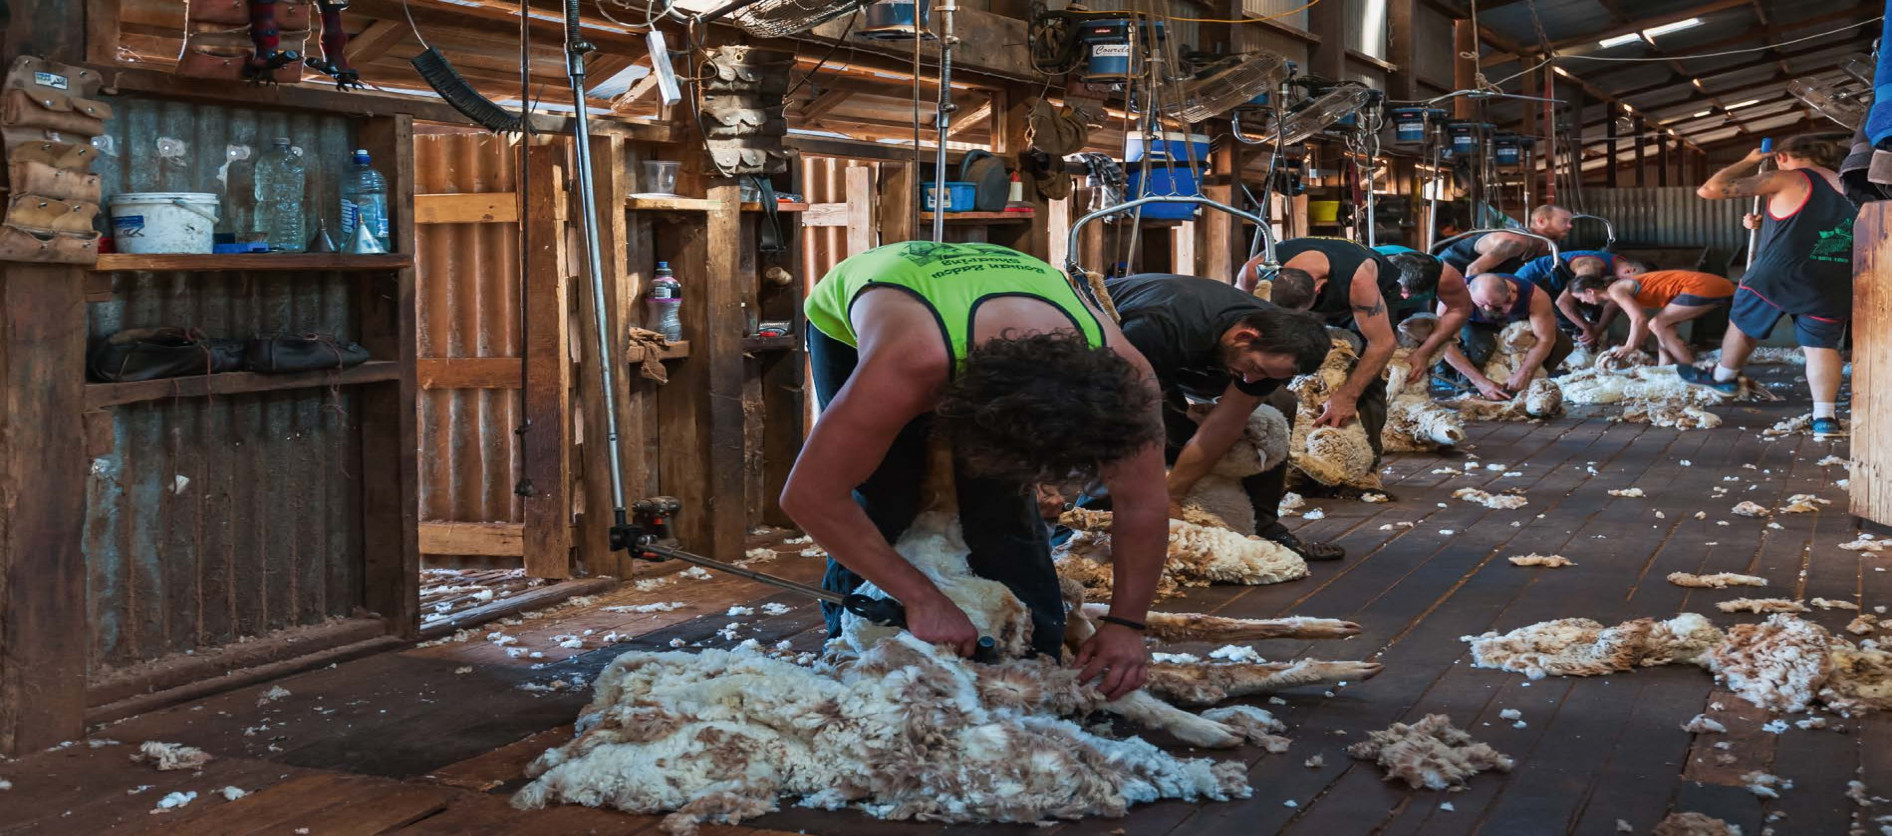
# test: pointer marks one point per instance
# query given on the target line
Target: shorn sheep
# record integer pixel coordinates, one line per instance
(1415, 422)
(1332, 456)
(905, 730)
(1541, 399)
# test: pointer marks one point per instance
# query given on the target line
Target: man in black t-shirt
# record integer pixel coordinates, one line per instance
(1207, 341)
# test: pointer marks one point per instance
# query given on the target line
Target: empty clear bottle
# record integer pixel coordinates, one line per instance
(279, 188)
(365, 200)
(664, 303)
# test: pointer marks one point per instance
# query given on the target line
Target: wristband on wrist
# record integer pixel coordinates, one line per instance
(1124, 622)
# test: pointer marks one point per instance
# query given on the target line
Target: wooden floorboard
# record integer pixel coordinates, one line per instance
(433, 740)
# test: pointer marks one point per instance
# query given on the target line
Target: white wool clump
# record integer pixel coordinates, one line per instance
(1431, 753)
(174, 801)
(1375, 498)
(1803, 503)
(1830, 604)
(1549, 561)
(665, 606)
(1581, 647)
(1694, 824)
(1767, 355)
(1779, 664)
(1497, 501)
(1765, 785)
(1330, 455)
(275, 692)
(776, 608)
(1510, 714)
(1219, 493)
(1703, 724)
(1197, 556)
(5, 785)
(1864, 543)
(739, 610)
(1628, 492)
(1829, 461)
(231, 793)
(1290, 502)
(170, 756)
(759, 553)
(1653, 395)
(1718, 580)
(1761, 605)
(1236, 653)
(723, 736)
(1863, 624)
(1316, 514)
(1750, 509)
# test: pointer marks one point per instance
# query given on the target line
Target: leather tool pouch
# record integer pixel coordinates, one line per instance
(153, 353)
(49, 113)
(284, 353)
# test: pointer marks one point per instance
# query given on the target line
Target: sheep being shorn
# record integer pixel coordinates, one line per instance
(1198, 555)
(1332, 456)
(1541, 399)
(1218, 498)
(1415, 422)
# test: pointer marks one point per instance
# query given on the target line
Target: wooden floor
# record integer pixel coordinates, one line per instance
(432, 739)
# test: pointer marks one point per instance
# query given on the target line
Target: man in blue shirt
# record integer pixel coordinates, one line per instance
(1553, 275)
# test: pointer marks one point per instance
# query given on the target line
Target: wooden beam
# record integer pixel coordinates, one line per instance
(468, 373)
(547, 442)
(481, 539)
(1464, 70)
(813, 109)
(990, 44)
(375, 41)
(467, 208)
(979, 115)
(1401, 42)
(859, 184)
(611, 177)
(731, 270)
(1328, 21)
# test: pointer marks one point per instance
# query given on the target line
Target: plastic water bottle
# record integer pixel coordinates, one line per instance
(664, 303)
(365, 200)
(280, 186)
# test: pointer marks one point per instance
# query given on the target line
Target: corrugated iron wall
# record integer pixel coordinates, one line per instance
(210, 519)
(824, 180)
(467, 290)
(1670, 217)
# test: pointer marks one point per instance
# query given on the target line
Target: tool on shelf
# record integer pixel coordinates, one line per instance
(334, 60)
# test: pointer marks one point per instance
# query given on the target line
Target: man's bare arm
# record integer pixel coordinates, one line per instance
(1454, 309)
(1212, 440)
(1742, 179)
(1544, 327)
(1496, 249)
(1638, 320)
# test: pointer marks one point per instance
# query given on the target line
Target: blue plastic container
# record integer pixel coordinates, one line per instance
(1507, 151)
(1170, 147)
(1464, 137)
(1180, 181)
(1409, 124)
(959, 196)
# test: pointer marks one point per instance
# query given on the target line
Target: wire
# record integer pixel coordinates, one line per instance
(824, 59)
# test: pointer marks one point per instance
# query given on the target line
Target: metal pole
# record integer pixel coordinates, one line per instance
(943, 120)
(1432, 200)
(575, 49)
(1754, 235)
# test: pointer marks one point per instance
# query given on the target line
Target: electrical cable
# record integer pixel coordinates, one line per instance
(824, 59)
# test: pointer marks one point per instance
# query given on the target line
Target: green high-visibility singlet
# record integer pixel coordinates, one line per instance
(952, 280)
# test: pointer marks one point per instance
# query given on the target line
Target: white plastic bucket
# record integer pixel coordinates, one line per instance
(164, 222)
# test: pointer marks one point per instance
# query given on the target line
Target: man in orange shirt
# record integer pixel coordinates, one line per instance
(1676, 296)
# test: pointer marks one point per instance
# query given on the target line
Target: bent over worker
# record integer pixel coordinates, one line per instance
(1499, 301)
(1030, 383)
(1676, 296)
(1208, 341)
(1505, 252)
(1428, 285)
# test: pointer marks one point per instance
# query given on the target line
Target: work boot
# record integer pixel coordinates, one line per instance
(1828, 429)
(1307, 551)
(1705, 378)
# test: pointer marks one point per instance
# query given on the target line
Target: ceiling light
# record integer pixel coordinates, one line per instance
(1666, 28)
(1742, 104)
(1562, 72)
(1619, 40)
(1703, 113)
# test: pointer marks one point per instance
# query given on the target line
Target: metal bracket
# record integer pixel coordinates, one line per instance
(1076, 270)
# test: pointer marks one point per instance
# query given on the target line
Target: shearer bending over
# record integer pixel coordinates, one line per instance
(1507, 252)
(1499, 301)
(1676, 296)
(1030, 383)
(1427, 285)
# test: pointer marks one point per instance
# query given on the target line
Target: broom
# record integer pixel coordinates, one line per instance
(438, 72)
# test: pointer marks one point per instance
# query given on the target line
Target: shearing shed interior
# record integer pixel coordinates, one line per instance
(908, 417)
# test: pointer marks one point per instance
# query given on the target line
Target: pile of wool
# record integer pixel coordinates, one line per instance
(166, 757)
(1330, 455)
(1495, 501)
(1767, 355)
(906, 732)
(1581, 647)
(1761, 605)
(1718, 580)
(1548, 561)
(1744, 508)
(1431, 753)
(1799, 425)
(1516, 340)
(1803, 503)
(1648, 394)
(1218, 497)
(1694, 824)
(1198, 555)
(1779, 664)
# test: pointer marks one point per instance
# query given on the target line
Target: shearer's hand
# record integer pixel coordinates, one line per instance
(1116, 654)
(1337, 411)
(1751, 220)
(937, 620)
(1491, 390)
(1520, 380)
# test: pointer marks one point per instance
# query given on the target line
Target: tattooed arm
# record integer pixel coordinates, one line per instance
(1743, 180)
(1496, 249)
(1369, 313)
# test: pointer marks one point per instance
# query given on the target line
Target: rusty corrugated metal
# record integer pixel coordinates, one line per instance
(217, 518)
(824, 180)
(1670, 217)
(467, 286)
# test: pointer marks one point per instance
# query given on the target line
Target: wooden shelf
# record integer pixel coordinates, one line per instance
(100, 395)
(982, 217)
(250, 262)
(786, 342)
(698, 204)
(674, 351)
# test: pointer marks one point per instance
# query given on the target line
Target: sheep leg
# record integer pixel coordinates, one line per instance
(1144, 709)
(1203, 684)
(1184, 627)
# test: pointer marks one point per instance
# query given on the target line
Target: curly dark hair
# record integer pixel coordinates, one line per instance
(1418, 273)
(1293, 289)
(1046, 407)
(1298, 334)
(1589, 282)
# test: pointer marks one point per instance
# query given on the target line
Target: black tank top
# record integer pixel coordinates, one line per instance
(1805, 263)
(1464, 251)
(1343, 261)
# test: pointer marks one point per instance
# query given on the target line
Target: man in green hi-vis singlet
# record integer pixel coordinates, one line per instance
(1030, 383)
